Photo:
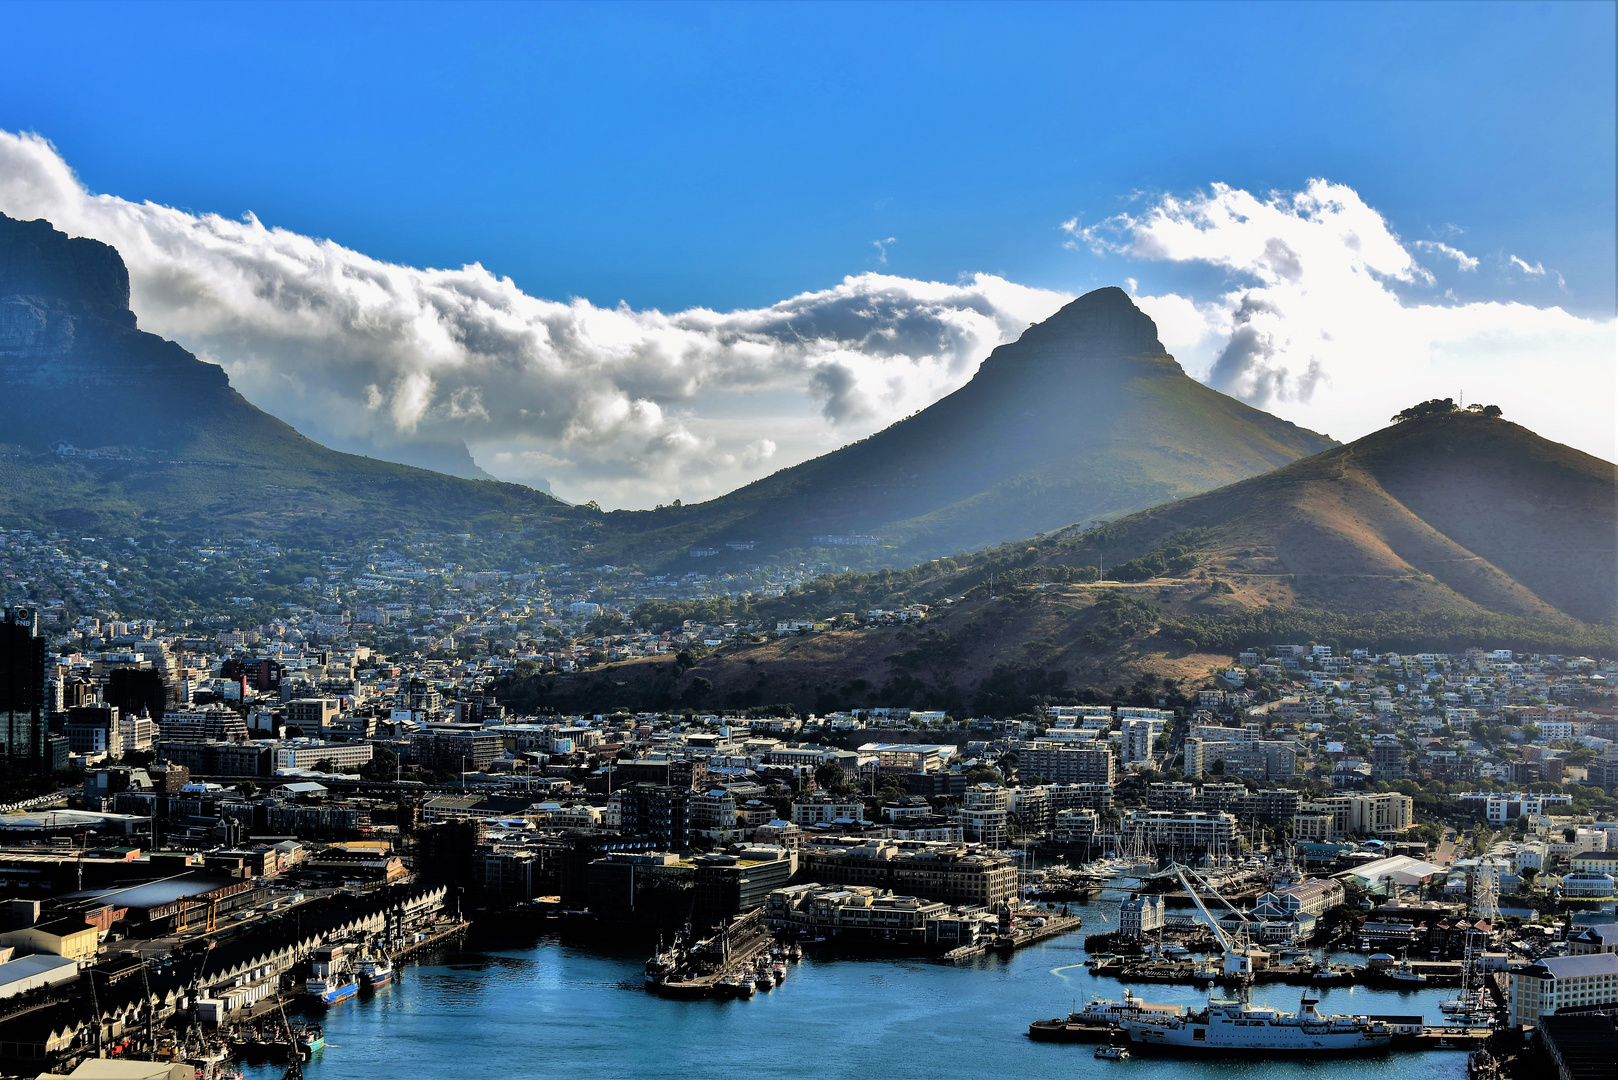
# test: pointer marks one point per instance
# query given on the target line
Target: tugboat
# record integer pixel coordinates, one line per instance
(1234, 1027)
(332, 979)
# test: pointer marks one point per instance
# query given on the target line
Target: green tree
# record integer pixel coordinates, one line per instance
(384, 764)
(830, 776)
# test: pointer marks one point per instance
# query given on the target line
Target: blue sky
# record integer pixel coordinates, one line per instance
(729, 155)
(732, 156)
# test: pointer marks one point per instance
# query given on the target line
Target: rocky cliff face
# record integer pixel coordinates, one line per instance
(85, 277)
(109, 429)
(1100, 328)
(74, 365)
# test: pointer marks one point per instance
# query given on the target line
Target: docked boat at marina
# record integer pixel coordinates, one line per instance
(1234, 1027)
(375, 969)
(332, 978)
(1105, 1011)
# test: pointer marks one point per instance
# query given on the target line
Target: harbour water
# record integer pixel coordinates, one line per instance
(553, 1008)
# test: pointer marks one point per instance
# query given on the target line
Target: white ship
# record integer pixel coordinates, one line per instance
(1100, 1012)
(1232, 1027)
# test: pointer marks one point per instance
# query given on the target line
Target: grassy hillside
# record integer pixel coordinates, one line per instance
(1441, 532)
(979, 656)
(1461, 514)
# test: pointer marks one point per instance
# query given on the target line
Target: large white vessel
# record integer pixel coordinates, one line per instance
(1234, 1027)
(1105, 1011)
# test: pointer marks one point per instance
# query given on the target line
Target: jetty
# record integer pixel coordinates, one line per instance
(701, 970)
(1031, 931)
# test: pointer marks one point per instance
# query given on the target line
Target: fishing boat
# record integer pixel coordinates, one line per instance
(375, 969)
(662, 964)
(779, 971)
(307, 1038)
(332, 977)
(1234, 1027)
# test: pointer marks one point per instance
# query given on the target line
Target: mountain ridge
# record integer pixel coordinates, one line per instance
(1085, 416)
(1320, 550)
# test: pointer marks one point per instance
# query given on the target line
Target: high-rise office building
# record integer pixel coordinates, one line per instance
(22, 690)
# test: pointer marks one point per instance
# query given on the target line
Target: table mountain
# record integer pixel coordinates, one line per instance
(104, 427)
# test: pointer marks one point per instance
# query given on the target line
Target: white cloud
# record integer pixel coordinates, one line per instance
(1322, 319)
(1537, 269)
(626, 407)
(1462, 259)
(1317, 322)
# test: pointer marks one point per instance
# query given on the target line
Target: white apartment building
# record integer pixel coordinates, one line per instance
(1139, 735)
(1076, 827)
(823, 809)
(1373, 814)
(1184, 829)
(983, 814)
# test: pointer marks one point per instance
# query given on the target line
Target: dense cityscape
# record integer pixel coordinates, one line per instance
(173, 787)
(874, 541)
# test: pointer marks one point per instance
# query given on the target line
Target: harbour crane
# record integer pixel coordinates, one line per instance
(1238, 955)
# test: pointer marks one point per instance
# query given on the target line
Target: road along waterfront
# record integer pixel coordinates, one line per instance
(553, 1008)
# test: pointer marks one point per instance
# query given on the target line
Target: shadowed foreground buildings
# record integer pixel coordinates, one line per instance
(23, 708)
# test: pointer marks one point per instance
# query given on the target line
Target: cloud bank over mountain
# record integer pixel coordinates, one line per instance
(626, 407)
(1321, 321)
(1326, 317)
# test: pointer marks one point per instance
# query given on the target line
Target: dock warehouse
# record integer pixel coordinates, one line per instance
(174, 903)
(32, 972)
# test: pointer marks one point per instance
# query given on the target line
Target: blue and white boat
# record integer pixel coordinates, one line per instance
(375, 969)
(332, 978)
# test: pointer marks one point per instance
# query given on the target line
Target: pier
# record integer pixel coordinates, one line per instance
(1427, 1037)
(1019, 937)
(700, 971)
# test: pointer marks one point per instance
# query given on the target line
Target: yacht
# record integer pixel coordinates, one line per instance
(1403, 972)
